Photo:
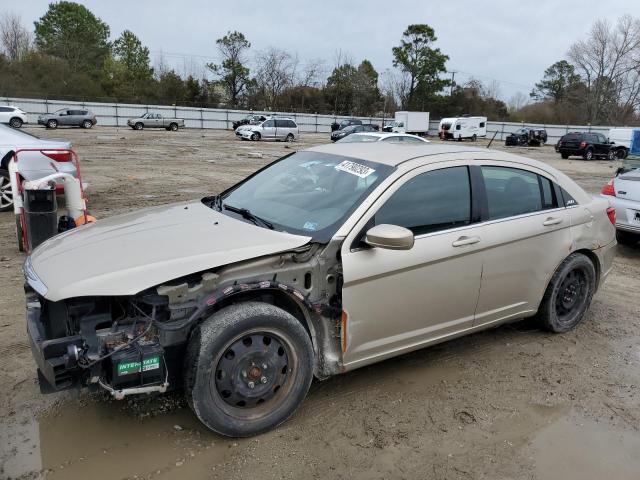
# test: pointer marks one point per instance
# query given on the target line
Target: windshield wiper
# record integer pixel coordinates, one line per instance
(246, 213)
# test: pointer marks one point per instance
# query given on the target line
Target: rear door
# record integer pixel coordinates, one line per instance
(526, 235)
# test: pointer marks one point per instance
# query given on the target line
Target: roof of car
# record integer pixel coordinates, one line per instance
(386, 134)
(394, 154)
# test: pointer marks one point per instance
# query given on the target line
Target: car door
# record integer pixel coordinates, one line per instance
(525, 237)
(603, 144)
(269, 129)
(399, 300)
(5, 114)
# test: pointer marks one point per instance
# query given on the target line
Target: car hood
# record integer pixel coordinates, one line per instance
(126, 254)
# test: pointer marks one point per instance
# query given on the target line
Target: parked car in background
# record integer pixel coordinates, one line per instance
(325, 261)
(68, 117)
(588, 145)
(464, 127)
(31, 165)
(382, 137)
(251, 119)
(278, 128)
(12, 116)
(526, 136)
(343, 132)
(623, 192)
(345, 123)
(155, 120)
(620, 139)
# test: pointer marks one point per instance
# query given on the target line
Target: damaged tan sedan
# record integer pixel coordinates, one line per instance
(324, 261)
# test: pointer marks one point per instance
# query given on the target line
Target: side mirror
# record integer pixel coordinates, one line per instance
(392, 237)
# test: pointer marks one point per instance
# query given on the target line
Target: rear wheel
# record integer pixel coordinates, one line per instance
(15, 122)
(289, 138)
(248, 368)
(568, 294)
(588, 155)
(87, 124)
(52, 124)
(6, 193)
(611, 155)
(474, 138)
(564, 155)
(173, 127)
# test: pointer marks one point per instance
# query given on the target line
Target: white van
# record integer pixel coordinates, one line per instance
(621, 138)
(458, 128)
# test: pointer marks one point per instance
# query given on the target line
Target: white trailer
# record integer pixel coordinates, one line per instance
(411, 122)
(459, 128)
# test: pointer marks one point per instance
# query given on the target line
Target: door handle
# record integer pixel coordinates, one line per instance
(551, 221)
(465, 241)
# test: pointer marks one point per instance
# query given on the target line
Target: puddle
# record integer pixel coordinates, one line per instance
(100, 441)
(580, 449)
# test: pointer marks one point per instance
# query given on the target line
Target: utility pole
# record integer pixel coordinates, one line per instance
(453, 76)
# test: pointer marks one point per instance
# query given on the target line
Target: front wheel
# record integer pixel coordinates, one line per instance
(588, 155)
(255, 136)
(568, 294)
(52, 124)
(474, 138)
(248, 368)
(15, 122)
(87, 124)
(564, 156)
(138, 126)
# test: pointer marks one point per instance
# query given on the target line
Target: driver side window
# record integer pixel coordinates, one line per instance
(269, 123)
(429, 202)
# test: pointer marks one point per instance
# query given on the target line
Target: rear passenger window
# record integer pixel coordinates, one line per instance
(511, 191)
(432, 201)
(290, 124)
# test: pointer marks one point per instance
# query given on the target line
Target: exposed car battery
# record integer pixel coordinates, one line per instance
(40, 214)
(137, 365)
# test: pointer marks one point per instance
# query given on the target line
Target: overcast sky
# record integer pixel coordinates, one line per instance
(512, 42)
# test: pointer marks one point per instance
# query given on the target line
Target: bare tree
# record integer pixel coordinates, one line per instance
(15, 39)
(491, 90)
(313, 73)
(275, 71)
(517, 101)
(608, 61)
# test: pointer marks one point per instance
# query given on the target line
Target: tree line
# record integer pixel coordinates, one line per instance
(70, 55)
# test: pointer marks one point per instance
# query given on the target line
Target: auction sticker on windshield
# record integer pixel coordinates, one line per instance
(354, 168)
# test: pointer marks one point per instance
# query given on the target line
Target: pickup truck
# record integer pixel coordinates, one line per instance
(155, 120)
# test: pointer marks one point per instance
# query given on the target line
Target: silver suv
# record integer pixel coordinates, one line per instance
(271, 129)
(68, 117)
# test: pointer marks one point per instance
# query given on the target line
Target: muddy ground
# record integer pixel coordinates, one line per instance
(510, 403)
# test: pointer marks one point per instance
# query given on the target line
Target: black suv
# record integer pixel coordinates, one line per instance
(343, 132)
(586, 145)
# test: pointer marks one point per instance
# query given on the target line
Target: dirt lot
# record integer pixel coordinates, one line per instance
(510, 403)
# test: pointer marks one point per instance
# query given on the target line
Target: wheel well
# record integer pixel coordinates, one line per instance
(5, 160)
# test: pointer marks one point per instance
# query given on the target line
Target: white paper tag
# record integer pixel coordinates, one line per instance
(354, 168)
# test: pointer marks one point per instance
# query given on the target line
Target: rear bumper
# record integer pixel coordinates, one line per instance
(50, 355)
(627, 214)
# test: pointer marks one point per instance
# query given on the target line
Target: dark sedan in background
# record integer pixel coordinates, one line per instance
(340, 134)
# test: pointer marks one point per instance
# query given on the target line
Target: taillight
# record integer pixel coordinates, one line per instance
(58, 156)
(608, 189)
(583, 144)
(611, 213)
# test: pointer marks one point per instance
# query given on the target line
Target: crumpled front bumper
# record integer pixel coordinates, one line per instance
(49, 355)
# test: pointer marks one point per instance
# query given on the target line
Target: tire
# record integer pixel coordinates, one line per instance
(173, 127)
(568, 294)
(86, 124)
(255, 136)
(138, 126)
(564, 156)
(19, 234)
(612, 155)
(290, 138)
(52, 124)
(627, 238)
(15, 122)
(6, 194)
(248, 401)
(588, 155)
(474, 138)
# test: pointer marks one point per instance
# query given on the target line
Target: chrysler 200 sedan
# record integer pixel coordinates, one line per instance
(324, 261)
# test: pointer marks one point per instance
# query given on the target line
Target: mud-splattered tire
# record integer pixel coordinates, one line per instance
(568, 294)
(247, 369)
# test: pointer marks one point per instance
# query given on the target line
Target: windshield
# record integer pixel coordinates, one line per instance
(307, 193)
(359, 137)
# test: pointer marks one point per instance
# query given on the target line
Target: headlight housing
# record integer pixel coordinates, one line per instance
(32, 278)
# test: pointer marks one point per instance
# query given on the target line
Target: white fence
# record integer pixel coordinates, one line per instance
(116, 114)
